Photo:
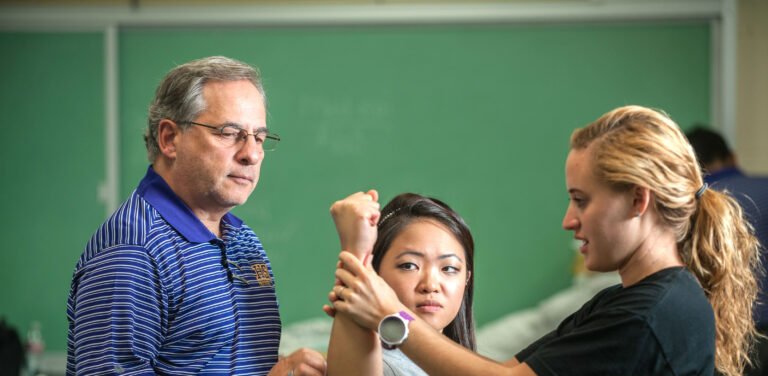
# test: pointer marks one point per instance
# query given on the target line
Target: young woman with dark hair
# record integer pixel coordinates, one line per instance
(425, 252)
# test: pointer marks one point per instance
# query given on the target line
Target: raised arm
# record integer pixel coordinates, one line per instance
(356, 217)
(354, 350)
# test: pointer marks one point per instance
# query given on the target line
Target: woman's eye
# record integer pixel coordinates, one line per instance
(407, 266)
(580, 202)
(451, 269)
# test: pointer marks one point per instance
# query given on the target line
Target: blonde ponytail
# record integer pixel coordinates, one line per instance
(723, 253)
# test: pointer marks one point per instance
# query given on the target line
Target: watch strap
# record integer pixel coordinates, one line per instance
(406, 316)
(403, 317)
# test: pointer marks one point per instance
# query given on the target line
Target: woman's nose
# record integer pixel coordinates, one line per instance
(570, 222)
(430, 282)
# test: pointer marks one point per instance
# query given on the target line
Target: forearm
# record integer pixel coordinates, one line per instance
(512, 362)
(438, 355)
(353, 350)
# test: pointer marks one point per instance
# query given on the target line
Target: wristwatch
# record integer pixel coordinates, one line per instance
(393, 329)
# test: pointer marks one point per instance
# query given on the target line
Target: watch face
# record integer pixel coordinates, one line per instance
(392, 329)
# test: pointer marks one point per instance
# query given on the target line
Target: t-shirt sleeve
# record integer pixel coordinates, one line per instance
(115, 313)
(526, 352)
(388, 368)
(609, 343)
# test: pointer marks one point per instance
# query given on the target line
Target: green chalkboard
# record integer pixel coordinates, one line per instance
(51, 153)
(478, 116)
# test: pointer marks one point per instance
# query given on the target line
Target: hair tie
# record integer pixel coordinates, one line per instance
(701, 190)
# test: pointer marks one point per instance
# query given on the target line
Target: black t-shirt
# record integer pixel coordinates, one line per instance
(662, 325)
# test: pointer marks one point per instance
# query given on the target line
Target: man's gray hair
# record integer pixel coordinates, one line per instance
(180, 95)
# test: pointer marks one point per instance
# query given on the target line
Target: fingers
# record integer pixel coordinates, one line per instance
(370, 196)
(329, 311)
(340, 293)
(336, 297)
(374, 195)
(345, 277)
(307, 362)
(339, 306)
(356, 218)
(350, 263)
(373, 217)
(305, 370)
(357, 202)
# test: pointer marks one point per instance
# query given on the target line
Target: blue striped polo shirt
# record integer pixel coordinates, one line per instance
(155, 292)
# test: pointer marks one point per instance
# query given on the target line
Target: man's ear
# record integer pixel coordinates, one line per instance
(641, 199)
(167, 137)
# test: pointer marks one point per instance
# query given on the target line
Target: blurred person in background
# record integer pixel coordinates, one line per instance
(722, 172)
(12, 355)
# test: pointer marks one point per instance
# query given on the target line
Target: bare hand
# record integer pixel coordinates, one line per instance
(302, 362)
(363, 295)
(356, 217)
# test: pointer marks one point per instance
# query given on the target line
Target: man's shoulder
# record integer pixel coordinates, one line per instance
(750, 191)
(742, 182)
(130, 226)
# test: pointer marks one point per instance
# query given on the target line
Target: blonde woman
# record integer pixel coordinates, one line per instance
(638, 204)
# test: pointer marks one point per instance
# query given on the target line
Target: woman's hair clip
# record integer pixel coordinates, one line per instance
(388, 215)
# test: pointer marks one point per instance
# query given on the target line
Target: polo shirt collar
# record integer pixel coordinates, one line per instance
(722, 174)
(159, 194)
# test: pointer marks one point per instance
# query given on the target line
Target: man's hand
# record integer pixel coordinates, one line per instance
(302, 362)
(356, 217)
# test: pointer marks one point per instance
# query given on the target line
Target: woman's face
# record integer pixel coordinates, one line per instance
(599, 216)
(426, 266)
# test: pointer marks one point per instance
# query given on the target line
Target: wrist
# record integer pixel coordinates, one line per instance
(360, 253)
(394, 329)
(390, 309)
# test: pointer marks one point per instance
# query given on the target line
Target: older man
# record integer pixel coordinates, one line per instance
(173, 283)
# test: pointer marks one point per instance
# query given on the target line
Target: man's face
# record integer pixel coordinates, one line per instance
(211, 174)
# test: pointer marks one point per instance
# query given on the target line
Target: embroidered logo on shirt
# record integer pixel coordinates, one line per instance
(262, 274)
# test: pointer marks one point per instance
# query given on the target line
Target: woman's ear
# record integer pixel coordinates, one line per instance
(641, 199)
(167, 132)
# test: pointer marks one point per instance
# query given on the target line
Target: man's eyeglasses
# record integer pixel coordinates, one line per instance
(233, 135)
